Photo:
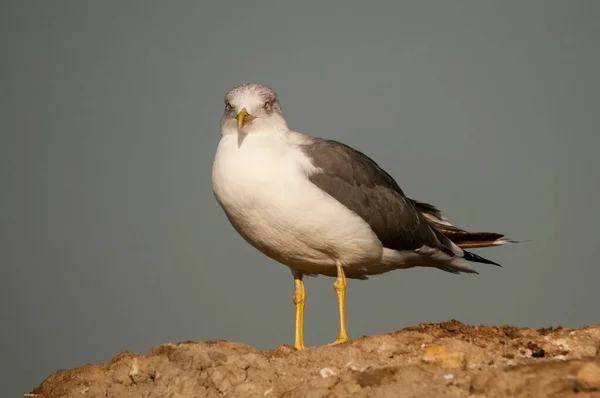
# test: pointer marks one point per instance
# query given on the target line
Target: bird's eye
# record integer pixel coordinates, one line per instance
(267, 104)
(228, 106)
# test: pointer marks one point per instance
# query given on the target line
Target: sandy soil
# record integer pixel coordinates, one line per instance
(449, 359)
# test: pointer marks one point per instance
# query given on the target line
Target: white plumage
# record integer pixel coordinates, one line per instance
(263, 187)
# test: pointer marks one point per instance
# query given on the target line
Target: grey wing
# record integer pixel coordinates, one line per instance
(356, 181)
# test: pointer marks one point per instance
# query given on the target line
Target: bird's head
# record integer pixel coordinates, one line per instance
(252, 108)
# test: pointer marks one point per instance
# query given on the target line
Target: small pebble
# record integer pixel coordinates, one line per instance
(327, 372)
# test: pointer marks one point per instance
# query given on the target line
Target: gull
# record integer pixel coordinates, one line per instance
(321, 207)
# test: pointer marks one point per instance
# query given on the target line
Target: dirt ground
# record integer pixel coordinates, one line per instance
(448, 359)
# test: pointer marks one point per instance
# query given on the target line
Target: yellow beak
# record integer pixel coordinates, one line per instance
(244, 118)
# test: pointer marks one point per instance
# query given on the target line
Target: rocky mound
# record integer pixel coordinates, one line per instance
(449, 359)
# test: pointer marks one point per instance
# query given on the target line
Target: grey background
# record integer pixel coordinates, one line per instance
(111, 239)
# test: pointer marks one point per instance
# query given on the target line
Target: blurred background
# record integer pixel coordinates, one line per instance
(111, 238)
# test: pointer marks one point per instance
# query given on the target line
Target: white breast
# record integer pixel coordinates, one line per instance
(263, 187)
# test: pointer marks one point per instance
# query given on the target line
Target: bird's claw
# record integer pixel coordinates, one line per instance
(340, 340)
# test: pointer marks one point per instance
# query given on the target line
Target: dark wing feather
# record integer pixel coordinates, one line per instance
(460, 237)
(356, 181)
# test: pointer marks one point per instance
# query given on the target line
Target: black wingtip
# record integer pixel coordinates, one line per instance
(478, 259)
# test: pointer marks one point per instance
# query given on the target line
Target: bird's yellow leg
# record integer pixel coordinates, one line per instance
(299, 302)
(340, 288)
